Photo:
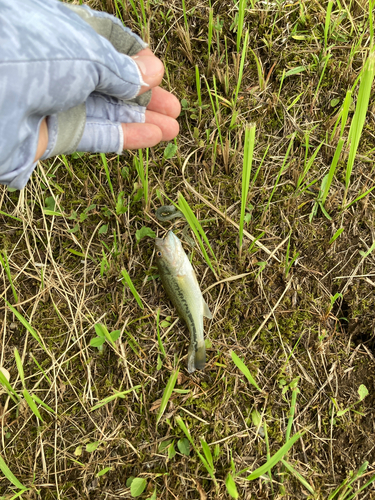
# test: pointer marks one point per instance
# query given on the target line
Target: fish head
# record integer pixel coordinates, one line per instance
(169, 253)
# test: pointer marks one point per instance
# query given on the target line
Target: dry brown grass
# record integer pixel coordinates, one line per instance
(282, 328)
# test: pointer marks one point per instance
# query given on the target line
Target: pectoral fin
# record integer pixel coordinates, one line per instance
(206, 312)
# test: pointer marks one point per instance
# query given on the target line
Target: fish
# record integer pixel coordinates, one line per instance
(181, 285)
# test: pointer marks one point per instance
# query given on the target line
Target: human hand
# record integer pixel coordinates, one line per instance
(160, 116)
(75, 80)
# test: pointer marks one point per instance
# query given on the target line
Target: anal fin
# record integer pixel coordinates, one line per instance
(206, 311)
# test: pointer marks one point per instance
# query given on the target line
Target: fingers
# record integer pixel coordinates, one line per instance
(169, 126)
(151, 68)
(164, 102)
(140, 135)
(146, 135)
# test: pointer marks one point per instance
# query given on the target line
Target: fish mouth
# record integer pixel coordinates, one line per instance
(159, 242)
(169, 240)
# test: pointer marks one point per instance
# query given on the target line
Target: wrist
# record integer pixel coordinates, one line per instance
(42, 140)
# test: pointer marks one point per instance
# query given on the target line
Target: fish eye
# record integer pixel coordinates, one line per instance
(158, 253)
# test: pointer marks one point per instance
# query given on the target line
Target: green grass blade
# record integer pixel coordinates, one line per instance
(18, 495)
(5, 263)
(246, 174)
(207, 453)
(259, 70)
(308, 165)
(359, 198)
(300, 478)
(336, 235)
(108, 399)
(295, 392)
(281, 171)
(132, 287)
(29, 400)
(184, 14)
(210, 29)
(26, 324)
(242, 62)
(332, 170)
(160, 343)
(231, 486)
(143, 10)
(327, 23)
(295, 71)
(265, 427)
(216, 113)
(198, 85)
(105, 165)
(167, 394)
(371, 22)
(244, 369)
(345, 111)
(196, 228)
(135, 10)
(240, 25)
(10, 476)
(275, 458)
(42, 403)
(360, 113)
(12, 393)
(142, 170)
(42, 370)
(19, 365)
(11, 216)
(361, 488)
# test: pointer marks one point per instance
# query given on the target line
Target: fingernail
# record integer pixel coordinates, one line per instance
(149, 65)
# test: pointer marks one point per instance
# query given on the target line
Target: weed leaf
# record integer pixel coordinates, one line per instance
(184, 446)
(138, 486)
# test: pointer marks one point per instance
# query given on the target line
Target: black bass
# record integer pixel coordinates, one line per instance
(180, 283)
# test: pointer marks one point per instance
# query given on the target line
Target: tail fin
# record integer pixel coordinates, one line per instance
(196, 359)
(200, 356)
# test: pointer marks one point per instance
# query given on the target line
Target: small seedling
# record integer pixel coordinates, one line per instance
(103, 335)
(121, 206)
(362, 393)
(206, 460)
(170, 151)
(289, 261)
(345, 490)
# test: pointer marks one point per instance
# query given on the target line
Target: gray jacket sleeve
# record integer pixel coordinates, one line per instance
(50, 61)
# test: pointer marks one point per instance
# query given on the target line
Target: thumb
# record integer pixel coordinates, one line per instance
(152, 71)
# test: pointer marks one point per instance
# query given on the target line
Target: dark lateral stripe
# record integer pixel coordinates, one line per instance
(181, 302)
